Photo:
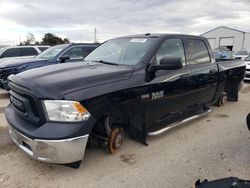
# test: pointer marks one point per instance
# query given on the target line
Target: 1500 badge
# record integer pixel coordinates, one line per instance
(153, 96)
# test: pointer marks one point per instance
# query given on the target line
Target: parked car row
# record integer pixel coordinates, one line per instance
(141, 85)
(54, 55)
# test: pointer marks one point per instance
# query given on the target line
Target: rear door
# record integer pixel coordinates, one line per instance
(204, 71)
(170, 88)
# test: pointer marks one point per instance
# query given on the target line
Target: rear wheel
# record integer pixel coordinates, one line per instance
(222, 99)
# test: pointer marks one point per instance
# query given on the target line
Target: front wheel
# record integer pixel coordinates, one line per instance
(115, 139)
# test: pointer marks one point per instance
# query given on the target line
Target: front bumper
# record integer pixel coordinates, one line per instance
(51, 151)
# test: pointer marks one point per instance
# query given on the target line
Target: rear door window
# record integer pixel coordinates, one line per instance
(12, 52)
(28, 52)
(197, 51)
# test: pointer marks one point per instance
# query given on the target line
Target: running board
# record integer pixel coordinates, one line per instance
(177, 124)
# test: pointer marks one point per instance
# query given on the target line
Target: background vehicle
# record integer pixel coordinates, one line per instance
(21, 51)
(56, 54)
(142, 84)
(242, 54)
(247, 74)
(220, 54)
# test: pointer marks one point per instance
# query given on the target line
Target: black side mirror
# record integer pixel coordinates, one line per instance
(168, 63)
(64, 58)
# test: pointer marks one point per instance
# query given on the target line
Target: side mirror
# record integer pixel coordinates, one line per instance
(64, 58)
(168, 63)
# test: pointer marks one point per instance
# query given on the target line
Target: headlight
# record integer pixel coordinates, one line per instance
(65, 111)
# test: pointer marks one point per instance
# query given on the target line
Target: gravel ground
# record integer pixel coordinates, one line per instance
(214, 146)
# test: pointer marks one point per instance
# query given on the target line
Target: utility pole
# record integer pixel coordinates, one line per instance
(95, 40)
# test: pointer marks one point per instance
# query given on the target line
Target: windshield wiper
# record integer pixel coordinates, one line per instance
(105, 62)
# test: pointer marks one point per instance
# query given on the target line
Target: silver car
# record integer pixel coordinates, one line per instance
(21, 51)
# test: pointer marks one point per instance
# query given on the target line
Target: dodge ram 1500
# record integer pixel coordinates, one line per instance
(140, 85)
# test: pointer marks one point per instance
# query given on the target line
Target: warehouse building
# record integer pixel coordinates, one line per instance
(232, 39)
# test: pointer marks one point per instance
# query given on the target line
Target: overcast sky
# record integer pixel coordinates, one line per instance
(76, 19)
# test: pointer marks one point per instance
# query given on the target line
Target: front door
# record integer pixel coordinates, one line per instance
(170, 89)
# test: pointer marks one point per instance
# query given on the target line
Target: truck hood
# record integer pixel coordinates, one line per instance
(57, 80)
(17, 62)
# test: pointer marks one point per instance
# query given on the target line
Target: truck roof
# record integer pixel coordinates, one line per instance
(160, 35)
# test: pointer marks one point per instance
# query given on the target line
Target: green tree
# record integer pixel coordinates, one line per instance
(51, 39)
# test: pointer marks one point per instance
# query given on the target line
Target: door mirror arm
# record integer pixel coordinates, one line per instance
(166, 63)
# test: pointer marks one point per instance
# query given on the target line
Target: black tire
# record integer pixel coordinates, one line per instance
(248, 121)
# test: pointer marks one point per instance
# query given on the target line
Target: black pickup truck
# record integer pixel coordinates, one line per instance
(139, 85)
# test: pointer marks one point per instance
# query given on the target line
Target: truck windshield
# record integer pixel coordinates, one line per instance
(52, 52)
(124, 51)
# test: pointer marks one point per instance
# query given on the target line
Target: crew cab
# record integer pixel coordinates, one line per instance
(139, 85)
(54, 55)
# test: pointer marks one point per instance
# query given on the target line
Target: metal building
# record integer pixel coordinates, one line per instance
(233, 39)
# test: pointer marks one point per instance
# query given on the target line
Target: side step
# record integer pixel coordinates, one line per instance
(177, 124)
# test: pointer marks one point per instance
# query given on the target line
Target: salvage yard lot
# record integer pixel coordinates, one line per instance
(212, 147)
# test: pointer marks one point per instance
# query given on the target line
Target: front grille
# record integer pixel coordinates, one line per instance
(17, 104)
(32, 105)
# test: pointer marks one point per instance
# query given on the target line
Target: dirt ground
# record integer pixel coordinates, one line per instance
(214, 146)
